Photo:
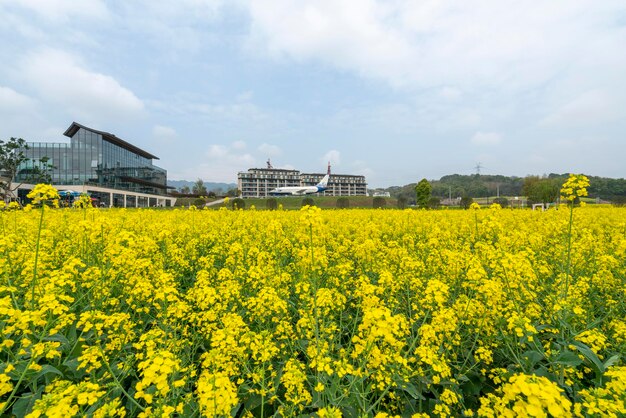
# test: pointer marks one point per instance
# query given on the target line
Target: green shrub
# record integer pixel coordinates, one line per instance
(434, 203)
(618, 200)
(343, 203)
(238, 203)
(466, 202)
(502, 201)
(308, 201)
(379, 202)
(271, 203)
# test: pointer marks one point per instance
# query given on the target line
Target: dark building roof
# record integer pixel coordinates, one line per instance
(336, 175)
(274, 169)
(74, 127)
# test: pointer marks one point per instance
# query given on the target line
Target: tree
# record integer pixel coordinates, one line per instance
(423, 191)
(402, 202)
(199, 187)
(11, 157)
(38, 172)
(234, 192)
(185, 190)
(541, 190)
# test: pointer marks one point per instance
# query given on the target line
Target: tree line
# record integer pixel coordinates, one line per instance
(538, 189)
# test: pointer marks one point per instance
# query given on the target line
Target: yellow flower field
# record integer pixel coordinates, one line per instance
(487, 312)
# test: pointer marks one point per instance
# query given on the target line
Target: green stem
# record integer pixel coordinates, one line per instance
(7, 403)
(34, 284)
(311, 245)
(476, 223)
(569, 249)
(17, 385)
(106, 363)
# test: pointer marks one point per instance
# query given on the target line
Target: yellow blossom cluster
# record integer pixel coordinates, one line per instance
(575, 187)
(144, 312)
(44, 193)
(526, 396)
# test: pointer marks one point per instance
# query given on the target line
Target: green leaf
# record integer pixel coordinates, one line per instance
(611, 361)
(58, 337)
(568, 358)
(412, 391)
(45, 371)
(25, 403)
(532, 357)
(253, 402)
(590, 356)
(72, 365)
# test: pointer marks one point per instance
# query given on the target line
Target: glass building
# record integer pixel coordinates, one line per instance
(94, 158)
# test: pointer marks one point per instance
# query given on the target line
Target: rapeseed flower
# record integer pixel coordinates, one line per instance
(312, 312)
(44, 193)
(575, 187)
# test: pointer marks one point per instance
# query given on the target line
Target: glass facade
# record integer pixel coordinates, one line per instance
(95, 158)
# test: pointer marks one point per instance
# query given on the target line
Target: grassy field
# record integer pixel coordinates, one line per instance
(288, 203)
(324, 202)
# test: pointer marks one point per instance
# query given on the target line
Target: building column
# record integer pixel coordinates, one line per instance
(124, 200)
(110, 200)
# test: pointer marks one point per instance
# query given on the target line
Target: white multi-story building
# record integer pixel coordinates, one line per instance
(258, 182)
(338, 184)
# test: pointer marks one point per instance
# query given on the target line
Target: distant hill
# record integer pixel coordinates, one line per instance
(477, 185)
(211, 187)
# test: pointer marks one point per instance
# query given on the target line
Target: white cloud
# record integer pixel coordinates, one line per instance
(182, 10)
(360, 168)
(217, 151)
(221, 164)
(61, 78)
(486, 138)
(223, 112)
(270, 150)
(63, 10)
(510, 43)
(450, 93)
(332, 156)
(12, 101)
(591, 107)
(164, 133)
(239, 145)
(245, 96)
(229, 156)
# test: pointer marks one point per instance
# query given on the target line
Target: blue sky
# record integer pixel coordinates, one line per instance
(396, 90)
